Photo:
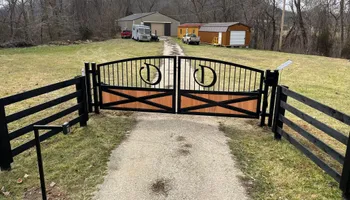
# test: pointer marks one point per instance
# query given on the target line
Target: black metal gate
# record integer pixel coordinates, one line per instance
(138, 84)
(219, 88)
(184, 85)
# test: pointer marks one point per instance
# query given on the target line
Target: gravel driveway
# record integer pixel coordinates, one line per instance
(177, 157)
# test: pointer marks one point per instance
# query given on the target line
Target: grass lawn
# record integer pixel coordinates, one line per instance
(320, 78)
(76, 163)
(276, 170)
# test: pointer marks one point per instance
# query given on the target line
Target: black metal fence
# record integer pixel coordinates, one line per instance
(80, 94)
(280, 120)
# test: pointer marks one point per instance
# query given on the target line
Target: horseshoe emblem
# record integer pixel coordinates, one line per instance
(148, 78)
(201, 82)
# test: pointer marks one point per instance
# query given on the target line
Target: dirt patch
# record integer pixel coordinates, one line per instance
(180, 138)
(161, 187)
(187, 145)
(184, 152)
(52, 193)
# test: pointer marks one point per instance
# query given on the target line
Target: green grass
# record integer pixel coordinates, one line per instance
(276, 170)
(76, 162)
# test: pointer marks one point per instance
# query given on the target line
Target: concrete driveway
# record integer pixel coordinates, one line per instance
(175, 157)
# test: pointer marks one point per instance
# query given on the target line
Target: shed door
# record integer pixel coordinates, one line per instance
(220, 38)
(167, 29)
(237, 38)
(159, 28)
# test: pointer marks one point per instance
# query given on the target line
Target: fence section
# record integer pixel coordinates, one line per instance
(283, 93)
(6, 152)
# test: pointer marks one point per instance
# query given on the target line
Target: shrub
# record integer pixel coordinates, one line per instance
(345, 53)
(324, 42)
(85, 33)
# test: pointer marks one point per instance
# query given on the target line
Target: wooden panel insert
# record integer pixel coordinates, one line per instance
(249, 105)
(111, 98)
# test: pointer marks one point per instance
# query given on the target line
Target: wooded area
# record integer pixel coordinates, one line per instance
(311, 26)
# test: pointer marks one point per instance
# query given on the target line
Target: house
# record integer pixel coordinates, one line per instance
(159, 23)
(188, 28)
(225, 34)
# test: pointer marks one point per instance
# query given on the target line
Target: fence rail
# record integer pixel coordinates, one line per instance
(6, 152)
(283, 93)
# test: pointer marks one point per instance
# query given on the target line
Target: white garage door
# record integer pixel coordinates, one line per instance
(237, 38)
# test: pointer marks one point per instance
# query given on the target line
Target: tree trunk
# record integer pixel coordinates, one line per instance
(301, 24)
(342, 5)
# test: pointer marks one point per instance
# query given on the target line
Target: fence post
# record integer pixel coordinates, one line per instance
(273, 83)
(345, 176)
(94, 86)
(81, 99)
(88, 86)
(5, 146)
(278, 111)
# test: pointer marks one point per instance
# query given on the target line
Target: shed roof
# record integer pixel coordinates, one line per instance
(190, 25)
(135, 16)
(217, 27)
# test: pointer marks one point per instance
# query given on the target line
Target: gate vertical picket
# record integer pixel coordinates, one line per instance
(5, 146)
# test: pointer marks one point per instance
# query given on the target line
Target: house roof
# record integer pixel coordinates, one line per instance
(190, 25)
(217, 27)
(135, 16)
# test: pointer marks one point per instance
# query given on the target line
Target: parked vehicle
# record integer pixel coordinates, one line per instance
(141, 33)
(126, 34)
(154, 38)
(191, 39)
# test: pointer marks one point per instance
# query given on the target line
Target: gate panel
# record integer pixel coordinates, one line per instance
(139, 84)
(212, 87)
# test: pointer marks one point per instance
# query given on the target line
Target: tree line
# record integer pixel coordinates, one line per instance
(319, 27)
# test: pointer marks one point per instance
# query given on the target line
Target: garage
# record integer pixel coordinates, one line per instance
(237, 38)
(162, 24)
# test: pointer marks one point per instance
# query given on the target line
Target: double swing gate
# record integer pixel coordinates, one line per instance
(183, 85)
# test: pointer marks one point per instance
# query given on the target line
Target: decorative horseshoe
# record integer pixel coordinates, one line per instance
(201, 83)
(148, 81)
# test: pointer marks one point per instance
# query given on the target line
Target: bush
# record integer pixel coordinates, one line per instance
(16, 44)
(85, 33)
(345, 53)
(324, 43)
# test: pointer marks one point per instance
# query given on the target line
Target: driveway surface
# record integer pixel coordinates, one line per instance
(175, 157)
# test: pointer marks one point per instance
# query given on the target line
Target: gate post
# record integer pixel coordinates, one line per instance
(5, 146)
(88, 86)
(278, 111)
(94, 87)
(273, 83)
(82, 99)
(271, 79)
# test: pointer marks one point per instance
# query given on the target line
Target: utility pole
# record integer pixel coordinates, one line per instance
(282, 25)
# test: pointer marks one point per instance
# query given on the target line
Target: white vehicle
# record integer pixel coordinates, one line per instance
(141, 33)
(191, 39)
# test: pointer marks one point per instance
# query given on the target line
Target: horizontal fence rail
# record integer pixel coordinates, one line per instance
(283, 93)
(80, 94)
